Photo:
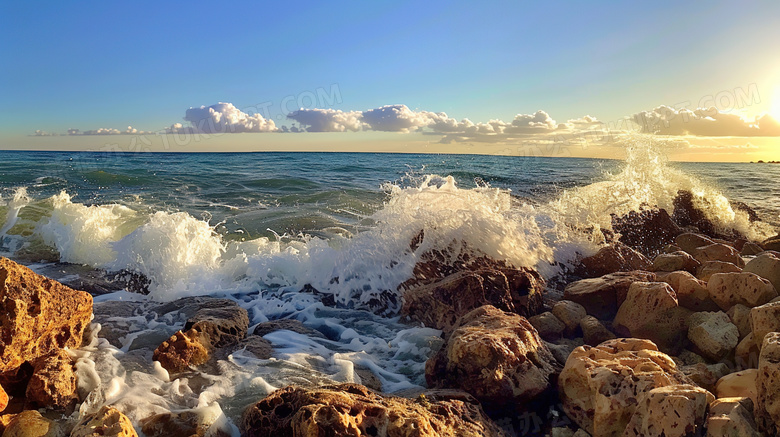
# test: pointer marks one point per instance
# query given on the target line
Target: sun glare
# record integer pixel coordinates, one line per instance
(774, 105)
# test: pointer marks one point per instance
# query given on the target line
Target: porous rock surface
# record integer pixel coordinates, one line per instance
(670, 411)
(107, 422)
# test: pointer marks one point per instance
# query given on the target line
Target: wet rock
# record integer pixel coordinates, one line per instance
(729, 289)
(285, 324)
(182, 351)
(53, 382)
(495, 356)
(351, 409)
(648, 230)
(750, 249)
(740, 317)
(108, 422)
(570, 313)
(602, 296)
(691, 292)
(438, 302)
(738, 384)
(764, 319)
(254, 344)
(30, 423)
(599, 387)
(224, 325)
(690, 241)
(39, 317)
(617, 257)
(651, 311)
(670, 411)
(767, 266)
(185, 423)
(704, 375)
(671, 262)
(732, 416)
(709, 268)
(547, 325)
(713, 334)
(718, 252)
(688, 213)
(772, 243)
(670, 248)
(767, 408)
(594, 332)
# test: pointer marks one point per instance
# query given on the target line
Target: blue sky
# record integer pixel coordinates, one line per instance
(90, 65)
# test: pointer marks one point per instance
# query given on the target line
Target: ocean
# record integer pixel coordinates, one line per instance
(263, 229)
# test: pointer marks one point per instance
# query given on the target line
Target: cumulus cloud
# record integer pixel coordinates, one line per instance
(327, 120)
(710, 122)
(226, 118)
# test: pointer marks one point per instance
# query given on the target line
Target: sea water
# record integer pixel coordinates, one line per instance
(263, 228)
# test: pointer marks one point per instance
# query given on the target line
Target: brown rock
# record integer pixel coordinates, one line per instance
(602, 296)
(182, 351)
(495, 356)
(651, 311)
(351, 409)
(718, 252)
(186, 423)
(617, 257)
(713, 334)
(764, 319)
(691, 292)
(39, 316)
(704, 375)
(740, 317)
(547, 325)
(648, 230)
(285, 324)
(30, 423)
(729, 289)
(223, 326)
(594, 332)
(767, 266)
(767, 408)
(438, 302)
(750, 249)
(570, 313)
(747, 352)
(3, 399)
(738, 384)
(600, 386)
(108, 422)
(687, 212)
(671, 262)
(690, 241)
(772, 243)
(670, 411)
(732, 417)
(53, 382)
(709, 268)
(254, 344)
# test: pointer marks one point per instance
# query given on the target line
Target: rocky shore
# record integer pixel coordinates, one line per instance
(671, 329)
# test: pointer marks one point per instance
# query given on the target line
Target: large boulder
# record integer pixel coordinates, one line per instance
(570, 313)
(767, 266)
(709, 268)
(691, 292)
(649, 230)
(713, 334)
(602, 296)
(651, 311)
(351, 409)
(767, 408)
(40, 316)
(670, 411)
(616, 257)
(599, 387)
(732, 417)
(495, 356)
(690, 241)
(738, 384)
(671, 262)
(764, 319)
(438, 301)
(749, 289)
(107, 422)
(718, 252)
(688, 212)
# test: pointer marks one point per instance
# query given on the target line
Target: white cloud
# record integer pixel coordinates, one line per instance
(327, 120)
(395, 118)
(710, 122)
(226, 118)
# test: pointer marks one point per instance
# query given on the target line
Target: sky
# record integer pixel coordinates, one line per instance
(519, 78)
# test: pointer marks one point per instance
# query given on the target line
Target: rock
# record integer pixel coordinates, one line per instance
(570, 313)
(731, 416)
(767, 266)
(599, 386)
(691, 292)
(747, 352)
(704, 375)
(222, 325)
(764, 319)
(729, 289)
(182, 351)
(438, 302)
(669, 248)
(561, 349)
(108, 422)
(713, 334)
(3, 399)
(185, 423)
(767, 408)
(740, 317)
(254, 344)
(647, 230)
(671, 262)
(53, 382)
(293, 325)
(718, 252)
(547, 325)
(30, 423)
(617, 257)
(651, 311)
(772, 243)
(750, 249)
(709, 268)
(602, 296)
(688, 358)
(687, 212)
(690, 241)
(670, 411)
(594, 332)
(496, 357)
(351, 409)
(39, 317)
(738, 384)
